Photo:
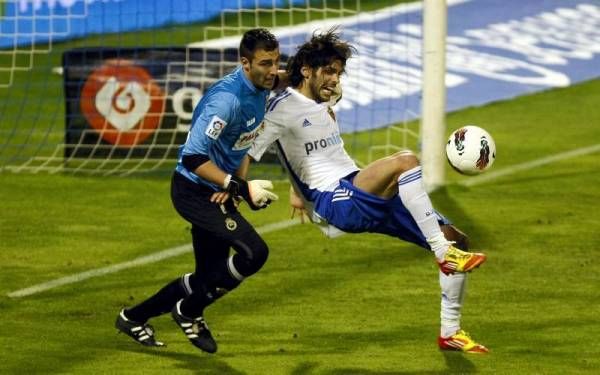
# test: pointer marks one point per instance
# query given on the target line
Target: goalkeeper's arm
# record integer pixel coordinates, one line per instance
(256, 192)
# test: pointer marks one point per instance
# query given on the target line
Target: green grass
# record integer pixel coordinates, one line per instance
(359, 304)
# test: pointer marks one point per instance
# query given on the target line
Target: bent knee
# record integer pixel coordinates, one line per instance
(260, 254)
(253, 253)
(404, 161)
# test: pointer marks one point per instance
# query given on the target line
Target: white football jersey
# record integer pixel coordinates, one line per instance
(308, 137)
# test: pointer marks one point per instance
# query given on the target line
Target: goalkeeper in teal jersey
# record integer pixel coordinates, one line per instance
(208, 181)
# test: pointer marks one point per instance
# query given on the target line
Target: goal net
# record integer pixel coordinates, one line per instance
(108, 87)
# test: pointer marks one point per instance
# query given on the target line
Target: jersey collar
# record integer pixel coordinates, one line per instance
(303, 98)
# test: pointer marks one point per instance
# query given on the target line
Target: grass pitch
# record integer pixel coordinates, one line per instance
(359, 304)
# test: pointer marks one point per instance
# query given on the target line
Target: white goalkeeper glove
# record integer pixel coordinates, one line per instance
(260, 192)
(255, 192)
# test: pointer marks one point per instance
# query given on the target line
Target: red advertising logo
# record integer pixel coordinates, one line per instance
(122, 103)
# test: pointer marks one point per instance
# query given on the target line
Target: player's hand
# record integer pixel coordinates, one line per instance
(257, 193)
(260, 193)
(300, 213)
(237, 201)
(219, 197)
(295, 200)
(297, 206)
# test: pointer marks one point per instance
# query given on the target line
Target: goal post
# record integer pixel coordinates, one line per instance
(433, 113)
(121, 102)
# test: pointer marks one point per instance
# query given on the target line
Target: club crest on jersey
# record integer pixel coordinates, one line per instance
(230, 224)
(215, 127)
(245, 140)
(331, 113)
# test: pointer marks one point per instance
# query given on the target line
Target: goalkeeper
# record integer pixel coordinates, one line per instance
(385, 197)
(206, 187)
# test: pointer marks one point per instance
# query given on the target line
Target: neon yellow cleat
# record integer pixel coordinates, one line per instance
(460, 261)
(462, 342)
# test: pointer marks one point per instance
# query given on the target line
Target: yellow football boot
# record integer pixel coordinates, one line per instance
(460, 261)
(462, 342)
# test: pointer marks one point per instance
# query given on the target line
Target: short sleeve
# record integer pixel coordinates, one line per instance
(272, 130)
(215, 113)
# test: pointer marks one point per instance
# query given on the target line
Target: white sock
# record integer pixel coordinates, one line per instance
(453, 294)
(412, 193)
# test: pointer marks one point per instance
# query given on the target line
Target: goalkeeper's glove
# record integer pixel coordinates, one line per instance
(255, 192)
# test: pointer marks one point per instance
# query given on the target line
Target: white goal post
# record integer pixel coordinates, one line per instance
(57, 124)
(433, 112)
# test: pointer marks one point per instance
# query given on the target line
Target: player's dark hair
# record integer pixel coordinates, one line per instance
(321, 50)
(255, 39)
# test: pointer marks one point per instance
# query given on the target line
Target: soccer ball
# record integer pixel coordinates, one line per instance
(471, 150)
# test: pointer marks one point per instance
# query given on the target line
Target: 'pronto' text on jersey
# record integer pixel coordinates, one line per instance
(320, 144)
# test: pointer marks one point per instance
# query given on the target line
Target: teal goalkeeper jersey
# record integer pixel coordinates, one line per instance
(224, 124)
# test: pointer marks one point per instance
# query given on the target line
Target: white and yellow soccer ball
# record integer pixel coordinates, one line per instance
(471, 150)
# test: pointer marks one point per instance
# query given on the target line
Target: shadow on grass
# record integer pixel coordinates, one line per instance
(196, 363)
(444, 202)
(304, 368)
(360, 371)
(458, 363)
(336, 343)
(447, 205)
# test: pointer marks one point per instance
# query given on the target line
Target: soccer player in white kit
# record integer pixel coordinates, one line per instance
(387, 196)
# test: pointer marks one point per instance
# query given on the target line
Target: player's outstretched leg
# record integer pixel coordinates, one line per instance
(142, 333)
(195, 329)
(462, 342)
(456, 260)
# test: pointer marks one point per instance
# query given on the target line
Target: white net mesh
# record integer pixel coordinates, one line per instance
(77, 100)
(23, 24)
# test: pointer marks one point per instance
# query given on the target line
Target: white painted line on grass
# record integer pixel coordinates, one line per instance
(168, 253)
(152, 258)
(472, 181)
